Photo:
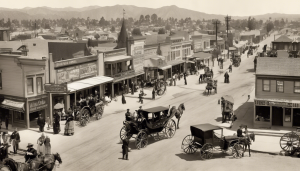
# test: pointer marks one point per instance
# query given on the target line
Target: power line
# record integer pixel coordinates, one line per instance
(227, 19)
(216, 22)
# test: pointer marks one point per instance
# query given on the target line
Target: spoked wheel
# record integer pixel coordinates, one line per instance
(86, 114)
(206, 151)
(170, 128)
(83, 121)
(188, 145)
(237, 150)
(99, 113)
(141, 140)
(124, 134)
(289, 141)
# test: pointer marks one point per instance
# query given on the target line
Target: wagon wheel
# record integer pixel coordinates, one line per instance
(83, 121)
(141, 140)
(99, 112)
(206, 151)
(86, 113)
(289, 141)
(170, 128)
(237, 150)
(188, 145)
(124, 134)
(4, 168)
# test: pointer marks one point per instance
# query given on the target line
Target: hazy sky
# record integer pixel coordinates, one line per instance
(231, 7)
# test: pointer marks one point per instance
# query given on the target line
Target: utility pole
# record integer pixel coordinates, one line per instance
(227, 19)
(216, 22)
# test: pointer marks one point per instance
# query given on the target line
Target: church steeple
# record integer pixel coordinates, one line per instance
(122, 36)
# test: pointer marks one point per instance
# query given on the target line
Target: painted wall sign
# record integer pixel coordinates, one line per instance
(198, 46)
(74, 61)
(76, 72)
(56, 88)
(38, 104)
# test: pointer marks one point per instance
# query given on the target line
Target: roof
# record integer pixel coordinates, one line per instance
(201, 55)
(283, 38)
(117, 58)
(154, 39)
(155, 109)
(89, 82)
(228, 98)
(278, 66)
(206, 127)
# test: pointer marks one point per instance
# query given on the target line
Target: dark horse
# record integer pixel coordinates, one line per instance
(246, 142)
(178, 112)
(49, 161)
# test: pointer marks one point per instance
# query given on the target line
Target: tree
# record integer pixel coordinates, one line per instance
(136, 32)
(269, 26)
(113, 29)
(97, 36)
(154, 18)
(168, 27)
(161, 31)
(102, 22)
(147, 18)
(142, 19)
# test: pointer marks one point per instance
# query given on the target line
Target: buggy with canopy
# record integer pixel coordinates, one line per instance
(206, 138)
(227, 108)
(149, 121)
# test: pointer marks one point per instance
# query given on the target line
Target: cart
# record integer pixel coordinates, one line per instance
(290, 141)
(205, 138)
(227, 108)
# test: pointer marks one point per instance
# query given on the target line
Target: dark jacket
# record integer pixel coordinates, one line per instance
(33, 156)
(125, 147)
(15, 135)
(41, 121)
(47, 141)
(239, 133)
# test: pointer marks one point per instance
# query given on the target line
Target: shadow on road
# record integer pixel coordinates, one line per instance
(151, 140)
(196, 156)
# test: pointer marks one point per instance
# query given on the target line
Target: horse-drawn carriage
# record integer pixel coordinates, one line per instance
(207, 138)
(290, 142)
(207, 75)
(149, 121)
(87, 109)
(227, 108)
(211, 84)
(161, 87)
(236, 60)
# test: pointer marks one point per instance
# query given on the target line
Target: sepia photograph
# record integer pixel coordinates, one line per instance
(136, 85)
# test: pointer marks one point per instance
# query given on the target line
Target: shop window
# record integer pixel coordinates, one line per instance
(29, 85)
(297, 87)
(279, 86)
(266, 85)
(18, 116)
(262, 113)
(39, 85)
(0, 79)
(288, 113)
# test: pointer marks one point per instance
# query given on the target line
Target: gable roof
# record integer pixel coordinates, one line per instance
(283, 38)
(278, 66)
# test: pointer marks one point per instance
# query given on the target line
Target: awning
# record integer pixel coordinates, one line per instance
(201, 55)
(232, 48)
(208, 50)
(165, 67)
(175, 62)
(89, 82)
(117, 59)
(192, 62)
(12, 105)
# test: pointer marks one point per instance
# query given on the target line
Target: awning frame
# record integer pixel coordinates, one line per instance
(88, 84)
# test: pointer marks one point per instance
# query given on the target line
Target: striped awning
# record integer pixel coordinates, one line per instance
(12, 105)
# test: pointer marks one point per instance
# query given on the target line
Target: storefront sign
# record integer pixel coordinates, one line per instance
(115, 53)
(56, 88)
(198, 46)
(37, 105)
(76, 72)
(261, 103)
(74, 61)
(281, 104)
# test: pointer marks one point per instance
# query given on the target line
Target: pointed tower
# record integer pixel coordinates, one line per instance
(122, 37)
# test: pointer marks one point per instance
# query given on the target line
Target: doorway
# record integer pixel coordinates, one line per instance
(296, 117)
(277, 116)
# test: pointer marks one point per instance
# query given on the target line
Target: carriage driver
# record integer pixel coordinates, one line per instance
(128, 116)
(240, 132)
(31, 153)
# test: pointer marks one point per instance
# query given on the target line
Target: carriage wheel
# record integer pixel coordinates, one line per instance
(237, 150)
(170, 128)
(188, 145)
(86, 113)
(124, 134)
(141, 140)
(5, 168)
(206, 151)
(289, 141)
(99, 113)
(83, 122)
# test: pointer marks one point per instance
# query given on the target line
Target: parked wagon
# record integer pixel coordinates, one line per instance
(290, 141)
(205, 138)
(207, 75)
(236, 60)
(147, 123)
(227, 108)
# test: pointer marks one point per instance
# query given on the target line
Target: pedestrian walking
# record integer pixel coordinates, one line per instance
(56, 124)
(48, 122)
(174, 79)
(153, 94)
(125, 148)
(47, 145)
(123, 99)
(200, 78)
(6, 121)
(141, 97)
(15, 140)
(40, 144)
(142, 84)
(41, 122)
(212, 73)
(69, 126)
(184, 76)
(230, 68)
(132, 88)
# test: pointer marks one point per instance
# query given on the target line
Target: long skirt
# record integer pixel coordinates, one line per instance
(56, 128)
(41, 149)
(48, 149)
(69, 128)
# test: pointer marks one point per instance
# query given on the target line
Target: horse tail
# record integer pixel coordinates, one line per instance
(11, 163)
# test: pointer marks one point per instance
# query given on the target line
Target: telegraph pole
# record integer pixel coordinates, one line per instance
(216, 22)
(227, 19)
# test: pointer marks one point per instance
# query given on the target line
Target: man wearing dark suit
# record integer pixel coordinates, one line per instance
(30, 153)
(41, 122)
(240, 132)
(15, 137)
(125, 148)
(184, 76)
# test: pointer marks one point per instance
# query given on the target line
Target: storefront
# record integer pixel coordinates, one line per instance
(276, 113)
(37, 105)
(157, 68)
(202, 59)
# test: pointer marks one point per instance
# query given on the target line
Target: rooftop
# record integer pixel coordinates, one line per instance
(278, 66)
(283, 38)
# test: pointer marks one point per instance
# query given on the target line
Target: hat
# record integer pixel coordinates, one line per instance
(30, 145)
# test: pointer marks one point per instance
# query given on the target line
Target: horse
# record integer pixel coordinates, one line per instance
(32, 165)
(178, 112)
(49, 161)
(246, 141)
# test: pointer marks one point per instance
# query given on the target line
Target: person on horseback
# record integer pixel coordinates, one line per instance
(31, 153)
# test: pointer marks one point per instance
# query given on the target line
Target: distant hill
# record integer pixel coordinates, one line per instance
(108, 12)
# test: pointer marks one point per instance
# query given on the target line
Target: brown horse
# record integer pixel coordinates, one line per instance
(246, 142)
(178, 112)
(49, 161)
(18, 166)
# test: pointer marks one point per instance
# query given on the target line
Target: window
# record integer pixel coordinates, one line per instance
(266, 85)
(39, 85)
(288, 114)
(0, 79)
(297, 87)
(279, 85)
(18, 116)
(29, 85)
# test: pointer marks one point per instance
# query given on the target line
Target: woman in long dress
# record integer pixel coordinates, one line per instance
(69, 128)
(40, 145)
(47, 145)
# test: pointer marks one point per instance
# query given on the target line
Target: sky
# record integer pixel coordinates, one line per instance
(224, 7)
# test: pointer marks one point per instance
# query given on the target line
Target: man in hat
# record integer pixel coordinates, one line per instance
(15, 139)
(128, 115)
(30, 153)
(41, 122)
(240, 132)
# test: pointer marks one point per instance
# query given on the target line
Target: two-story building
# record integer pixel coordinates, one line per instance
(201, 42)
(277, 92)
